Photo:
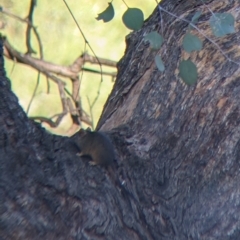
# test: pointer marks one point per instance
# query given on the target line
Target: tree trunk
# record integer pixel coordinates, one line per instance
(177, 148)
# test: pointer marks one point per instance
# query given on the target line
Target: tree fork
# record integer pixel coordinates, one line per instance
(177, 147)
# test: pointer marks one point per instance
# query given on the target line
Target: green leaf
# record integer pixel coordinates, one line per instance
(196, 16)
(188, 72)
(159, 63)
(133, 18)
(1, 8)
(108, 14)
(191, 43)
(155, 39)
(222, 24)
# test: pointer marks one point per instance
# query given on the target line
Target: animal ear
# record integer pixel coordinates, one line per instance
(82, 132)
(88, 129)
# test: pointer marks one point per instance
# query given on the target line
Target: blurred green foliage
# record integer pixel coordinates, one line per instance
(62, 44)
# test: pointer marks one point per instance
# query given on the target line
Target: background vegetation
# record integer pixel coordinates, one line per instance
(62, 44)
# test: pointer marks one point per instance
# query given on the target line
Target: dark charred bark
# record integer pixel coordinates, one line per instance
(178, 149)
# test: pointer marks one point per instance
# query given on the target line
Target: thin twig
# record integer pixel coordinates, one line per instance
(14, 63)
(28, 31)
(125, 3)
(4, 11)
(48, 85)
(50, 122)
(91, 113)
(112, 74)
(85, 39)
(98, 94)
(34, 93)
(79, 108)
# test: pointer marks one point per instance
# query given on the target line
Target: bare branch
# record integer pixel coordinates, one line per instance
(77, 111)
(59, 116)
(50, 122)
(103, 61)
(4, 11)
(28, 32)
(42, 65)
(38, 64)
(50, 70)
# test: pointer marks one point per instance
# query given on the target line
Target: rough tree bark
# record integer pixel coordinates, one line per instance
(178, 149)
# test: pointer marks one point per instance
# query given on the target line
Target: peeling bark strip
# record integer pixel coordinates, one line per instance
(177, 147)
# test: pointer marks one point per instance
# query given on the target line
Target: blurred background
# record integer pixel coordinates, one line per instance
(62, 44)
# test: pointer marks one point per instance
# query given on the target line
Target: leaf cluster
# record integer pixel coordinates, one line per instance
(132, 18)
(221, 24)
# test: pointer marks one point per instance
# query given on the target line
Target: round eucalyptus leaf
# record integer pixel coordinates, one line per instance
(133, 18)
(191, 43)
(188, 72)
(155, 40)
(159, 63)
(222, 24)
(108, 14)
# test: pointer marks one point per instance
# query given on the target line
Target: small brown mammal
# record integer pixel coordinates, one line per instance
(97, 146)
